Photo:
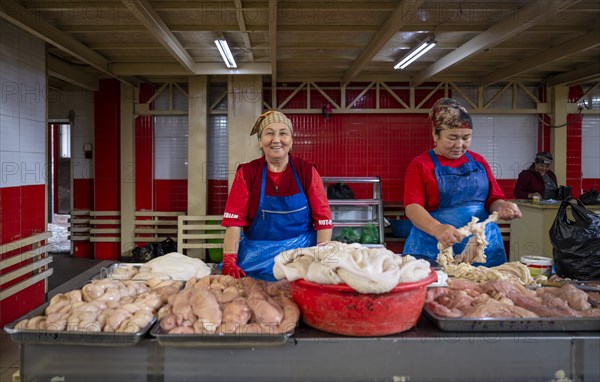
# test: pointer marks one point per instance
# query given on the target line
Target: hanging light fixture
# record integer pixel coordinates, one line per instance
(225, 53)
(415, 53)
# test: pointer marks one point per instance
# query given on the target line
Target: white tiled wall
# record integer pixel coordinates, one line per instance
(22, 108)
(170, 147)
(81, 103)
(590, 144)
(508, 142)
(217, 147)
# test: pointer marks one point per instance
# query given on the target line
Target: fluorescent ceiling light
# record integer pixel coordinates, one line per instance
(226, 53)
(415, 53)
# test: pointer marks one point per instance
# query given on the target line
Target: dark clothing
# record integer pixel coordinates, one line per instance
(531, 181)
(550, 187)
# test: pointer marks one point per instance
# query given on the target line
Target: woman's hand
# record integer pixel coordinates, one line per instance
(506, 210)
(447, 235)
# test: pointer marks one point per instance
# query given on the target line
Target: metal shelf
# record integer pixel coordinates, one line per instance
(373, 207)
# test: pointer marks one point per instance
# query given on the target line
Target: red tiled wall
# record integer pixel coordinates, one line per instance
(18, 304)
(217, 196)
(587, 184)
(107, 159)
(144, 141)
(363, 145)
(83, 199)
(170, 195)
(22, 212)
(574, 154)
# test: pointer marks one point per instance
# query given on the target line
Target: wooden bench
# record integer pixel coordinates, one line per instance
(197, 234)
(32, 263)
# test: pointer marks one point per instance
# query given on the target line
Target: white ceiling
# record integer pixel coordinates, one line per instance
(483, 42)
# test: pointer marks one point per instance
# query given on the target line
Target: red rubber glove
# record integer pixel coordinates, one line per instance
(230, 266)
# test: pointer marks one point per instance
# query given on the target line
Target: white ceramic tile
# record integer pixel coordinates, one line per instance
(82, 168)
(512, 156)
(590, 166)
(10, 169)
(483, 126)
(33, 168)
(590, 126)
(31, 45)
(33, 100)
(32, 137)
(515, 126)
(590, 146)
(9, 63)
(9, 132)
(170, 147)
(217, 148)
(9, 97)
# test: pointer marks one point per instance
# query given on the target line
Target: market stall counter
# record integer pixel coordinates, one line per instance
(421, 353)
(529, 235)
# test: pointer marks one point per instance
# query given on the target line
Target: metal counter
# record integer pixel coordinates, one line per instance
(423, 353)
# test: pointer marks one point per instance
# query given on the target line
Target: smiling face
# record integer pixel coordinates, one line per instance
(542, 168)
(452, 143)
(275, 141)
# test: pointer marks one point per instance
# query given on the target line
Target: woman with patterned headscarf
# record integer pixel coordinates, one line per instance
(276, 203)
(446, 186)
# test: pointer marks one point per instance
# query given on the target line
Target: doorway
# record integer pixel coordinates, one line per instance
(59, 185)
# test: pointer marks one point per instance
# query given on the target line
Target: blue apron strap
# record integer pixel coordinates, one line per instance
(434, 159)
(263, 186)
(298, 183)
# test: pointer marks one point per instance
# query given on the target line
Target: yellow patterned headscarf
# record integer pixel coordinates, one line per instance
(271, 116)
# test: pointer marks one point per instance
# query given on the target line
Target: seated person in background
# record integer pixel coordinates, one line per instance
(538, 179)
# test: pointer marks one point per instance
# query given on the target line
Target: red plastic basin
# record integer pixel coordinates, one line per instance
(340, 309)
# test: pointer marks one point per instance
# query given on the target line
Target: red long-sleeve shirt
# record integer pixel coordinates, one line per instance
(420, 185)
(242, 203)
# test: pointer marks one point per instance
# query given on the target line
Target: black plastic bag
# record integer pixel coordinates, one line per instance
(339, 191)
(153, 250)
(142, 254)
(576, 243)
(591, 197)
(563, 193)
(167, 246)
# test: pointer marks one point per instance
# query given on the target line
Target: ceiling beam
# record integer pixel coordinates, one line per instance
(273, 44)
(34, 24)
(239, 12)
(520, 20)
(144, 12)
(174, 69)
(71, 74)
(575, 77)
(383, 35)
(558, 52)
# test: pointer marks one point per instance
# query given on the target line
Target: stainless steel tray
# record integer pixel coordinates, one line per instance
(233, 340)
(72, 337)
(106, 272)
(538, 324)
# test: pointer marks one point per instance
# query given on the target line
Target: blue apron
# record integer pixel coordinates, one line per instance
(463, 192)
(281, 223)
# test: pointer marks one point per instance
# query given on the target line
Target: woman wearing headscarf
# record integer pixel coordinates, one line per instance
(538, 179)
(277, 202)
(448, 185)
